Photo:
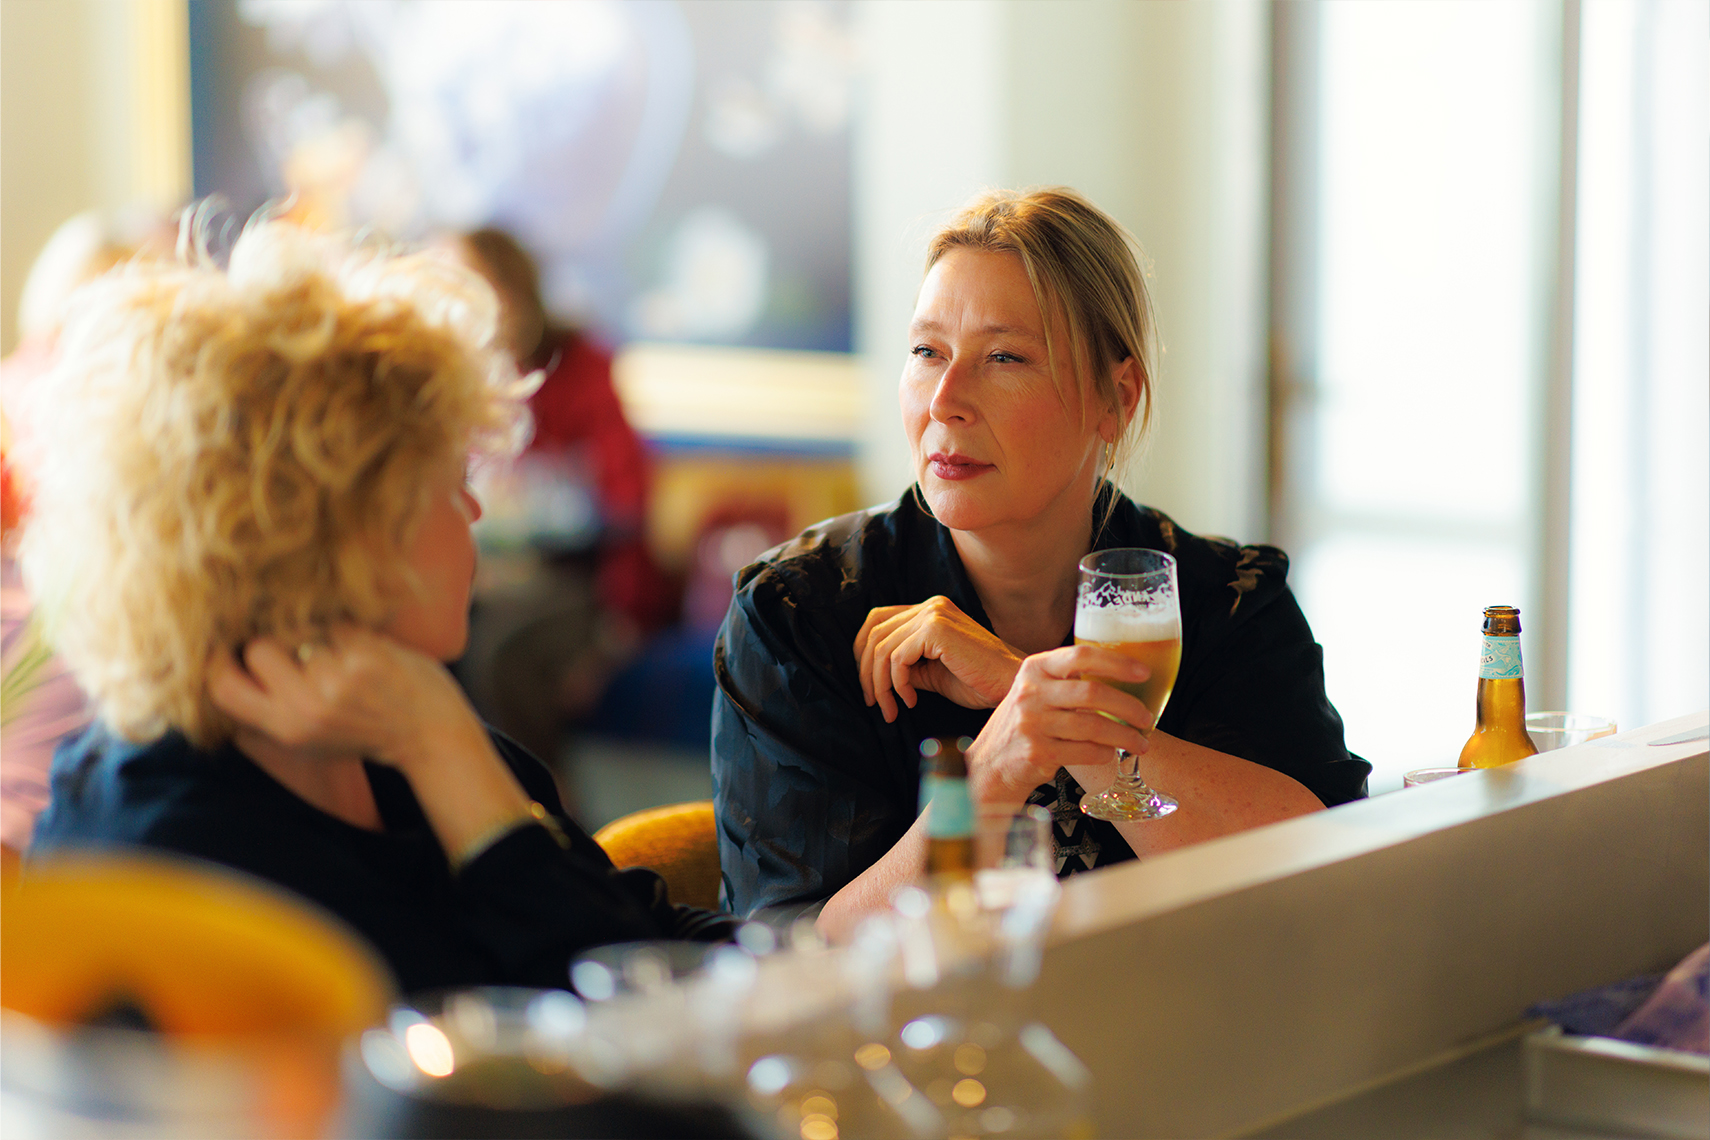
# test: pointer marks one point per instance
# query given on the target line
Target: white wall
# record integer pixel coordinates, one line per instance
(1158, 113)
(94, 113)
(928, 134)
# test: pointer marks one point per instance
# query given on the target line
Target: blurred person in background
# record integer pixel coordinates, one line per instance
(951, 611)
(40, 702)
(545, 643)
(252, 548)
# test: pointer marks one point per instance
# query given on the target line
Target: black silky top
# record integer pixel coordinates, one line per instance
(813, 787)
(514, 915)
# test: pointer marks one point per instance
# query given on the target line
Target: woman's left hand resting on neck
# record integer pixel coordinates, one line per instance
(364, 695)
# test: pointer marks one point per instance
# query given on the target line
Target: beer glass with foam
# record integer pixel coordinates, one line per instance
(1127, 603)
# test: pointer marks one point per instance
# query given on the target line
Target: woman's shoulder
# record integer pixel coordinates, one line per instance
(109, 790)
(1212, 571)
(840, 560)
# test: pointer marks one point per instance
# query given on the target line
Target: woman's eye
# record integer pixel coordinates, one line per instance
(922, 350)
(1006, 358)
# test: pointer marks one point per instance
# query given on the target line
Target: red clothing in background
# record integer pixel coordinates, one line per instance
(577, 408)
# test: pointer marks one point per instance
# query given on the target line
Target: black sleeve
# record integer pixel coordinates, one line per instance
(533, 904)
(805, 779)
(1253, 684)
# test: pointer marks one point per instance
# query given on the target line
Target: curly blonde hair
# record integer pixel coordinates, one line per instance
(229, 454)
(1083, 264)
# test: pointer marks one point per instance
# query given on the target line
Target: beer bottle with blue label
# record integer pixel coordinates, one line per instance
(950, 826)
(1500, 737)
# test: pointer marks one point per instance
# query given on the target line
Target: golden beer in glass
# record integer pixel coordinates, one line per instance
(1127, 603)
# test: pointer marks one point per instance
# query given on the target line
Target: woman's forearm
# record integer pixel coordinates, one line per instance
(871, 890)
(1219, 795)
(467, 793)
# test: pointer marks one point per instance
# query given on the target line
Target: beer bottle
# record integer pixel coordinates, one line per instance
(1500, 737)
(950, 827)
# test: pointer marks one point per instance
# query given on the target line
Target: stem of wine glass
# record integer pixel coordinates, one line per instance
(1128, 772)
(1127, 765)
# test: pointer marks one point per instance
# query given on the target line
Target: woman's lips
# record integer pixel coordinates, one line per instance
(955, 467)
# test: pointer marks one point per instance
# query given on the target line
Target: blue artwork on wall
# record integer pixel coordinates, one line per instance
(680, 170)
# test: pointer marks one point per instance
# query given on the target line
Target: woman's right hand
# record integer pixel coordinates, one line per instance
(1055, 716)
(935, 647)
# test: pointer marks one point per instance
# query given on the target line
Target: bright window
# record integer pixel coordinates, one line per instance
(1423, 188)
(1412, 498)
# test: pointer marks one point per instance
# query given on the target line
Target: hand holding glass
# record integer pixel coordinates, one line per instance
(1127, 603)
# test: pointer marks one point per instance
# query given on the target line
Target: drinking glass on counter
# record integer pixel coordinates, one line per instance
(1127, 602)
(1552, 730)
(1431, 775)
(1012, 845)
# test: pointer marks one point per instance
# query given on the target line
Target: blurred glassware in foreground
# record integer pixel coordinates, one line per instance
(930, 1037)
(1012, 845)
(1552, 730)
(58, 1081)
(501, 1062)
(836, 1077)
(150, 997)
(778, 1036)
(636, 967)
(916, 1030)
(964, 1034)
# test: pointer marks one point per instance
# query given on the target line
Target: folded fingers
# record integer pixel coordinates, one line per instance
(884, 668)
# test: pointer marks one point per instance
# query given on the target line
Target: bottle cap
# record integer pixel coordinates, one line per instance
(1501, 620)
(947, 756)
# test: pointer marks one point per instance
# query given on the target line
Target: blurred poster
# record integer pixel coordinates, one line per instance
(680, 170)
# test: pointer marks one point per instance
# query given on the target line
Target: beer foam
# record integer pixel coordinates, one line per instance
(1126, 623)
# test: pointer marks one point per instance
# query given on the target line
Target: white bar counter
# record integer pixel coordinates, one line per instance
(1236, 986)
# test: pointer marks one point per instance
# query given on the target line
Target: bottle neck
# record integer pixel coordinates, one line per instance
(1501, 684)
(1501, 704)
(1499, 659)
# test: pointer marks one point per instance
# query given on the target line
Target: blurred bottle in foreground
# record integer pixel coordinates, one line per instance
(1500, 736)
(950, 829)
(964, 1035)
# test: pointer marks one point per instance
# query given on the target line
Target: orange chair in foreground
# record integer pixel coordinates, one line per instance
(221, 965)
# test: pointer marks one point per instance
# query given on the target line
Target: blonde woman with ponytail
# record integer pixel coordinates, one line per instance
(950, 612)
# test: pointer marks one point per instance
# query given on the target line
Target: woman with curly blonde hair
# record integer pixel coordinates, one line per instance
(251, 545)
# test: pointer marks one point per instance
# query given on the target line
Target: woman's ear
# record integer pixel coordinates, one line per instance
(1125, 382)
